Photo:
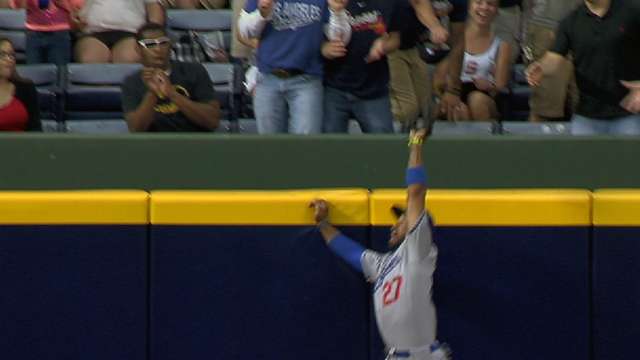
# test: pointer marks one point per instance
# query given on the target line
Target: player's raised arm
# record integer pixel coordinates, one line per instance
(349, 250)
(416, 177)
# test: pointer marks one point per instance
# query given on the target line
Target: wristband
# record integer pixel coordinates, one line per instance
(416, 175)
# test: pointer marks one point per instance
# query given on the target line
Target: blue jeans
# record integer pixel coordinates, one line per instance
(48, 47)
(373, 115)
(291, 105)
(627, 125)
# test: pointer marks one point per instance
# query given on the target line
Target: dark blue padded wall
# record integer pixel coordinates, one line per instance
(254, 292)
(73, 292)
(616, 292)
(506, 293)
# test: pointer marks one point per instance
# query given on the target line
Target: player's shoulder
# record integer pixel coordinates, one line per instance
(424, 223)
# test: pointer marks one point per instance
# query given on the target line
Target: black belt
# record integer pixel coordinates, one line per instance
(286, 73)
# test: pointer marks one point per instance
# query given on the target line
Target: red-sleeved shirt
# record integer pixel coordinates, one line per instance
(13, 116)
(54, 18)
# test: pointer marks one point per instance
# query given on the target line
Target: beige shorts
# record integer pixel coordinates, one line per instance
(549, 99)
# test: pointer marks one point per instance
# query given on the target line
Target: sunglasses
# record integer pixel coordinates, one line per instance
(154, 43)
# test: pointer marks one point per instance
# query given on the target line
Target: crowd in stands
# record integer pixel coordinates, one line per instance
(315, 65)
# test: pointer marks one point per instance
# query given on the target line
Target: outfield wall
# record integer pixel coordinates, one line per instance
(190, 161)
(73, 269)
(245, 275)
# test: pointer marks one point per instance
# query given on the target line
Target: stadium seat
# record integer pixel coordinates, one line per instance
(520, 93)
(247, 126)
(462, 128)
(93, 91)
(181, 21)
(225, 127)
(97, 126)
(12, 26)
(541, 128)
(226, 78)
(200, 20)
(47, 80)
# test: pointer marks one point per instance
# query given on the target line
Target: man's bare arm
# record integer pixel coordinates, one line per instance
(155, 13)
(141, 118)
(548, 64)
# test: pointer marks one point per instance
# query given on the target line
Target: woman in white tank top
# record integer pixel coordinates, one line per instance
(486, 65)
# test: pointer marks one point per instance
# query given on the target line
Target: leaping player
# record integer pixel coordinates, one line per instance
(402, 278)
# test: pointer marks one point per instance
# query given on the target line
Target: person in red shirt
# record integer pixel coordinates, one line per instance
(48, 29)
(18, 96)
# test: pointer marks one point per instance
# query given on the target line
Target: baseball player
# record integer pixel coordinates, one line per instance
(401, 278)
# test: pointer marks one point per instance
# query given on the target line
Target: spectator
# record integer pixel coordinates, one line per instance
(288, 94)
(445, 72)
(603, 36)
(48, 29)
(410, 86)
(549, 100)
(18, 97)
(508, 24)
(195, 4)
(241, 48)
(486, 65)
(357, 73)
(164, 95)
(457, 19)
(109, 29)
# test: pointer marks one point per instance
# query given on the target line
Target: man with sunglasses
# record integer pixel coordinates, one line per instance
(165, 95)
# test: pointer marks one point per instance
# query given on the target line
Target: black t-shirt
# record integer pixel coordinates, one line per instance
(369, 20)
(412, 28)
(605, 50)
(459, 12)
(510, 3)
(189, 79)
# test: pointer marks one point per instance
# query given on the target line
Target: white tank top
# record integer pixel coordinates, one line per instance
(481, 65)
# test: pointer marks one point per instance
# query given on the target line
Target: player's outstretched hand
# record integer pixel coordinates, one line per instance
(417, 136)
(321, 210)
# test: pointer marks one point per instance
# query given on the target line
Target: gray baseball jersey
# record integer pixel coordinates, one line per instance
(402, 282)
